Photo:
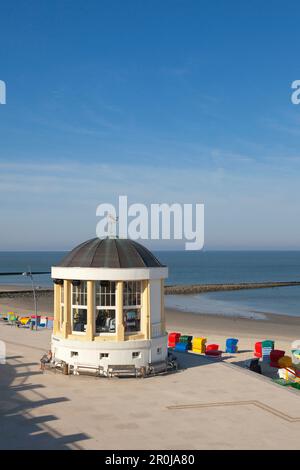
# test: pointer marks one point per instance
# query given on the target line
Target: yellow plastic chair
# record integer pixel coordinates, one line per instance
(198, 345)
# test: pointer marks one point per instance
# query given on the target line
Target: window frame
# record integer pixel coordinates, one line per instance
(99, 308)
(137, 306)
(79, 307)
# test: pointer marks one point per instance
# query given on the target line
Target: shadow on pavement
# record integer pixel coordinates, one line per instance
(19, 429)
(189, 360)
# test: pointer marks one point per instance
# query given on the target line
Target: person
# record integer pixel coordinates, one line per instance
(45, 359)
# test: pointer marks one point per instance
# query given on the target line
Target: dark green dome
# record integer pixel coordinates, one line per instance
(110, 253)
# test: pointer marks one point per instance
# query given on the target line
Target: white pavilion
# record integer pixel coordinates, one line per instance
(109, 307)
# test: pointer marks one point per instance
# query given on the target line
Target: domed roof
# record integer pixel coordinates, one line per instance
(110, 253)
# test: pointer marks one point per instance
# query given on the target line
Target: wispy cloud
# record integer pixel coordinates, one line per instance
(63, 198)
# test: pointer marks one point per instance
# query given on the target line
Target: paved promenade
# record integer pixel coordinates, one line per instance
(205, 406)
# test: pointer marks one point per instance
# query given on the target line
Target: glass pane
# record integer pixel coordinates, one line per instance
(79, 319)
(105, 321)
(132, 293)
(62, 294)
(132, 320)
(79, 294)
(105, 293)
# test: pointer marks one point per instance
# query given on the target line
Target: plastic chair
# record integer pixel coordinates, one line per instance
(231, 345)
(258, 349)
(275, 355)
(198, 345)
(181, 347)
(173, 339)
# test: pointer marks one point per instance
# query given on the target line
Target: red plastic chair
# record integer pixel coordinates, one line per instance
(258, 349)
(173, 339)
(275, 355)
(213, 350)
(212, 347)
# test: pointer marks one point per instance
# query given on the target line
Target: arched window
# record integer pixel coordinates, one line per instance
(79, 306)
(105, 307)
(132, 306)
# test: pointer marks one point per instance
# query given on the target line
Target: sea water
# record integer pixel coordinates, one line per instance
(199, 267)
(217, 267)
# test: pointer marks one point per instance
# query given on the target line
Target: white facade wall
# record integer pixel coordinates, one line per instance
(120, 353)
(155, 300)
(108, 274)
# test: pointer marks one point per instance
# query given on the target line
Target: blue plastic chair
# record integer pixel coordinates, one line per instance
(181, 347)
(231, 345)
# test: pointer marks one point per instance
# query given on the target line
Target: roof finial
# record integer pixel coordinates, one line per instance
(112, 222)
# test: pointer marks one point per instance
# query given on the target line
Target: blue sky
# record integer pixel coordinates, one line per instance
(164, 101)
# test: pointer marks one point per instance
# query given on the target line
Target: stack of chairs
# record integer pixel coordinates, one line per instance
(199, 345)
(231, 345)
(187, 340)
(275, 355)
(213, 350)
(173, 339)
(267, 346)
(184, 344)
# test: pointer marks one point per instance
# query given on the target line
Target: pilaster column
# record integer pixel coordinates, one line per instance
(146, 309)
(66, 328)
(119, 312)
(90, 310)
(162, 312)
(56, 310)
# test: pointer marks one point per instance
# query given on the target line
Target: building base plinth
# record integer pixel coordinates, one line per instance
(108, 356)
